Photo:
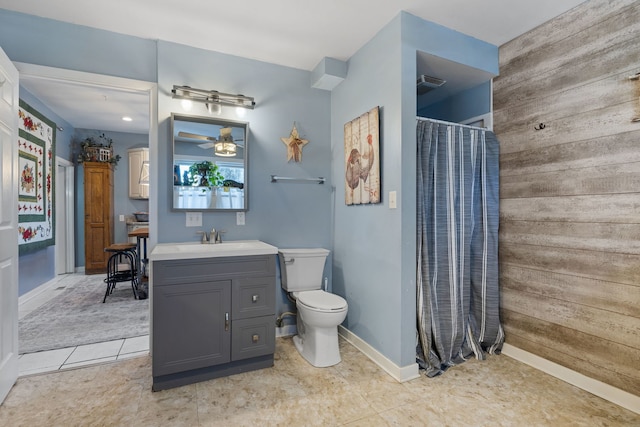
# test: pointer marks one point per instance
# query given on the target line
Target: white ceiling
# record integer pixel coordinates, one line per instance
(292, 33)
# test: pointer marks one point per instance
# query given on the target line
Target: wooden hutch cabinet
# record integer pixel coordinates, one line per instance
(98, 215)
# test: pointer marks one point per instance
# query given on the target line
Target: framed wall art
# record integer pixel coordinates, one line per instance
(36, 154)
(362, 159)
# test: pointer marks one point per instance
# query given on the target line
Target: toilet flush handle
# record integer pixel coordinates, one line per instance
(289, 261)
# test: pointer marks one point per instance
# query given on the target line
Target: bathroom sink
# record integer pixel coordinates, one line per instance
(164, 251)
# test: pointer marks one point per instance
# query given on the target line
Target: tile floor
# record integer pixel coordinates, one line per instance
(497, 392)
(73, 357)
(113, 388)
(90, 354)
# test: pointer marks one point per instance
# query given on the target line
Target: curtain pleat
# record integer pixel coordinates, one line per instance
(457, 242)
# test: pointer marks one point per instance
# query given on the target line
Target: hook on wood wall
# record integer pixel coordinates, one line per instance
(540, 126)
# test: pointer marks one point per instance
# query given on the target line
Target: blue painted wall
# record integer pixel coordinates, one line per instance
(284, 215)
(39, 267)
(470, 103)
(374, 246)
(373, 260)
(27, 38)
(367, 265)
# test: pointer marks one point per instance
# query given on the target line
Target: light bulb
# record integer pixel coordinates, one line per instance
(187, 104)
(214, 108)
(241, 112)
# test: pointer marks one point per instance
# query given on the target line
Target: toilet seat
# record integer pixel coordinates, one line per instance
(321, 300)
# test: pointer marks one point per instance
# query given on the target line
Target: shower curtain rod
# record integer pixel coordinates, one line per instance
(426, 119)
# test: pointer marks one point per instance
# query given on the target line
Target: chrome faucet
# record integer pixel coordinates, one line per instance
(213, 237)
(216, 236)
(205, 238)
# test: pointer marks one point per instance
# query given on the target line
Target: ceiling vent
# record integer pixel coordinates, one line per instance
(427, 83)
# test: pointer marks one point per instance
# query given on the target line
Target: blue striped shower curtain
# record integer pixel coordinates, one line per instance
(457, 275)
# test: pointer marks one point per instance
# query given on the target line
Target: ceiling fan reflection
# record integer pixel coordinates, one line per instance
(225, 146)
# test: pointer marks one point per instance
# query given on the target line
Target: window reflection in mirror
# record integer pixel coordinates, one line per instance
(209, 163)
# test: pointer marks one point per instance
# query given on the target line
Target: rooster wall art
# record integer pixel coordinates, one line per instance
(362, 159)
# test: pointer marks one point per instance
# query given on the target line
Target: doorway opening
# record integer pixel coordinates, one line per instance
(69, 219)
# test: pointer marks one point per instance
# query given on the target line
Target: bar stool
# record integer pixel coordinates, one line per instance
(120, 251)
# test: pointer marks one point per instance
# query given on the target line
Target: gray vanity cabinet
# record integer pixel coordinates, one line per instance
(211, 317)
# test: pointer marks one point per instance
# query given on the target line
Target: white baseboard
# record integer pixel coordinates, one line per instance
(24, 298)
(600, 389)
(400, 373)
(80, 269)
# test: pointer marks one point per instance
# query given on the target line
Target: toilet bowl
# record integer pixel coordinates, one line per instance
(319, 312)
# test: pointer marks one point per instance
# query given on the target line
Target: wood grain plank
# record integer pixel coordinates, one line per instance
(593, 95)
(605, 266)
(573, 21)
(577, 73)
(589, 124)
(569, 222)
(609, 179)
(608, 296)
(604, 237)
(597, 357)
(608, 33)
(599, 323)
(614, 208)
(608, 150)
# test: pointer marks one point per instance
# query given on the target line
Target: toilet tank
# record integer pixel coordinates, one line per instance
(301, 269)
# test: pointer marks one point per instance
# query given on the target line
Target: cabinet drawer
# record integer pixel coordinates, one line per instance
(253, 337)
(253, 297)
(220, 268)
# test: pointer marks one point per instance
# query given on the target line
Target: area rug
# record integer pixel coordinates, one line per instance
(77, 316)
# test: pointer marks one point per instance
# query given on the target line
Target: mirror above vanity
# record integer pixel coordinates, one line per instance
(209, 163)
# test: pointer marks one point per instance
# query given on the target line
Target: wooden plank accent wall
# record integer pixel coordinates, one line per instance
(570, 193)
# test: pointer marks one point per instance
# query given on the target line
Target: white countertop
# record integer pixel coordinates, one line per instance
(189, 250)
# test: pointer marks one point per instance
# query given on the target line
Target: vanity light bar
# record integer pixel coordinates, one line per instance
(212, 97)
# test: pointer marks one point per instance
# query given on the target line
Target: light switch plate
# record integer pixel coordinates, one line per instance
(239, 218)
(392, 200)
(121, 218)
(194, 219)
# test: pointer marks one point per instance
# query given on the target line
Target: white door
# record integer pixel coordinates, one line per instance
(8, 225)
(65, 249)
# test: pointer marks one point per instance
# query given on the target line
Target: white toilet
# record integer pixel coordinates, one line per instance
(319, 312)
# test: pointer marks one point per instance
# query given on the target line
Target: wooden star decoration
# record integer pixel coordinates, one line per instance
(294, 145)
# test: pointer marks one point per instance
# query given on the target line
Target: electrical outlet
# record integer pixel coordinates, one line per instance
(239, 218)
(194, 219)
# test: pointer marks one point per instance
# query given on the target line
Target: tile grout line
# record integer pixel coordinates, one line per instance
(67, 358)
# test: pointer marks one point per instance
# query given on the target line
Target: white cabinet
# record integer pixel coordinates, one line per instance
(138, 157)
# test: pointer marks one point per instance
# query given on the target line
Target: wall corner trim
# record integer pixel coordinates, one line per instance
(600, 389)
(399, 373)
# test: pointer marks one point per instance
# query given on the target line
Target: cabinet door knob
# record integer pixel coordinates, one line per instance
(254, 298)
(255, 338)
(226, 321)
